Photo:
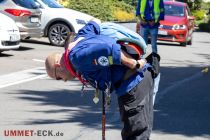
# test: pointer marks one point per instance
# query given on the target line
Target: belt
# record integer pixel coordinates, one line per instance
(128, 74)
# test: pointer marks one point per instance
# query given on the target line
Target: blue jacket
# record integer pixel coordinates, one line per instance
(149, 13)
(98, 58)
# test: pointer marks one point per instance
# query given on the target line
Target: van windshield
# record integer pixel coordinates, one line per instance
(52, 4)
(174, 10)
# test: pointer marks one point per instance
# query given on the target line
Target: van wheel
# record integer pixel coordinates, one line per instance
(58, 34)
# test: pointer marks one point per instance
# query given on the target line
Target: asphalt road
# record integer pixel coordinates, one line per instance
(32, 104)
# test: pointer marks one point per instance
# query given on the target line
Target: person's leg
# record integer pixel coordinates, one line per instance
(153, 34)
(156, 86)
(136, 110)
(144, 32)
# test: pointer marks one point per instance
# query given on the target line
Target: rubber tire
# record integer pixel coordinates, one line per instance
(183, 44)
(55, 36)
(189, 42)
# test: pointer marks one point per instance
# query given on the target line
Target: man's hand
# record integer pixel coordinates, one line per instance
(153, 59)
(143, 22)
(142, 62)
(128, 61)
(152, 23)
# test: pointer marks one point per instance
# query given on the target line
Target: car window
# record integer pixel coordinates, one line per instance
(30, 4)
(52, 4)
(174, 10)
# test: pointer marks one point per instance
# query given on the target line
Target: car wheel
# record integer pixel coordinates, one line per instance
(189, 42)
(58, 33)
(183, 44)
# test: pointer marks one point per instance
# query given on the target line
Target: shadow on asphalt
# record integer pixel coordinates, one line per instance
(205, 42)
(184, 110)
(34, 41)
(88, 114)
(5, 54)
(23, 48)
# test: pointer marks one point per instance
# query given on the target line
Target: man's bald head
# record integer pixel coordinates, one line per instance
(50, 63)
(56, 68)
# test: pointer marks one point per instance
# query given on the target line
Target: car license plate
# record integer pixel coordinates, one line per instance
(161, 32)
(14, 37)
(34, 19)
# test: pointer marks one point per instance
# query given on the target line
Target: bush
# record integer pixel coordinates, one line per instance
(106, 10)
(124, 12)
(205, 27)
(208, 17)
(96, 8)
(198, 14)
(121, 15)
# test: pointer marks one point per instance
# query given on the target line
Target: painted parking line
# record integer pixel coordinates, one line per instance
(176, 85)
(22, 76)
(38, 60)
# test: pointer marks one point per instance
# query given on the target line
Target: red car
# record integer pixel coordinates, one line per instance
(178, 25)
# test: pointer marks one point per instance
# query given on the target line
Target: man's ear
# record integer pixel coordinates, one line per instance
(58, 60)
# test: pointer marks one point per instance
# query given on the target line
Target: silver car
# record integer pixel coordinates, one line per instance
(58, 22)
(26, 15)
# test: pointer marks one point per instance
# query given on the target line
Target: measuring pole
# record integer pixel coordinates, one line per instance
(103, 116)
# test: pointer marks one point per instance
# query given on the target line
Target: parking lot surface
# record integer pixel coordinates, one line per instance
(39, 108)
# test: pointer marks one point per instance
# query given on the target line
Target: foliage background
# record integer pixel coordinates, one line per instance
(106, 10)
(124, 10)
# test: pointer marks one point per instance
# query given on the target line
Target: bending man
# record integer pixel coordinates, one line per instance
(102, 62)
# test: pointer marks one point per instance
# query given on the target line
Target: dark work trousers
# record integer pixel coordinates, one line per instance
(136, 110)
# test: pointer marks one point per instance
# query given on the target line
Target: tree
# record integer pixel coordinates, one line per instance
(193, 4)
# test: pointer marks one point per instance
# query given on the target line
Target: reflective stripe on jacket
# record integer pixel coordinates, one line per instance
(157, 9)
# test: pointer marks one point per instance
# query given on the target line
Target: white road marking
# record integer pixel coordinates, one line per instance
(38, 60)
(22, 76)
(161, 94)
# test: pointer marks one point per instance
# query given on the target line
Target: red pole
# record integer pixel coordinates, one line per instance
(103, 116)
